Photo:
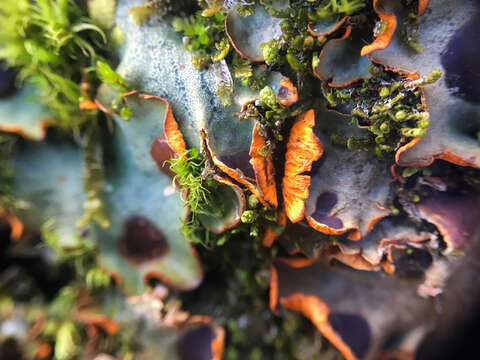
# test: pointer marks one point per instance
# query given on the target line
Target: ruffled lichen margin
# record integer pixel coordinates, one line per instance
(257, 152)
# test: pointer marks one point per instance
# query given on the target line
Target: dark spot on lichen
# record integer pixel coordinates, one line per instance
(239, 160)
(325, 203)
(283, 92)
(7, 82)
(354, 331)
(411, 262)
(142, 240)
(196, 344)
(460, 61)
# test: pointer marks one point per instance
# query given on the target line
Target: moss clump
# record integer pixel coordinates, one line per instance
(52, 44)
(272, 51)
(254, 77)
(329, 8)
(271, 115)
(188, 169)
(194, 177)
(388, 105)
(198, 189)
(203, 35)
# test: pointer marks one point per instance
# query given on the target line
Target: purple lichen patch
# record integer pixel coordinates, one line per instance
(325, 203)
(239, 160)
(353, 329)
(196, 344)
(455, 216)
(460, 61)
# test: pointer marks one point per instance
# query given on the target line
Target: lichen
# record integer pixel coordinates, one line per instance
(236, 261)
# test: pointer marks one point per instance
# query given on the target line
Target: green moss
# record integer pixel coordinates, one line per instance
(268, 98)
(246, 10)
(192, 176)
(68, 341)
(225, 93)
(223, 47)
(249, 217)
(111, 78)
(51, 43)
(389, 106)
(409, 171)
(352, 143)
(81, 250)
(432, 76)
(411, 27)
(108, 76)
(97, 278)
(199, 196)
(242, 68)
(188, 169)
(201, 33)
(254, 222)
(384, 91)
(201, 62)
(272, 51)
(329, 8)
(141, 14)
(255, 78)
(295, 63)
